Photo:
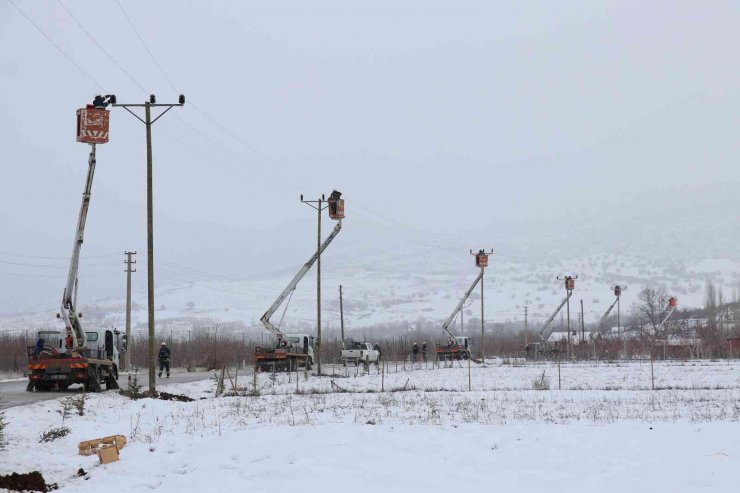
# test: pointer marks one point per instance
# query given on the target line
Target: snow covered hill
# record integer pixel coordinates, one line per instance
(401, 290)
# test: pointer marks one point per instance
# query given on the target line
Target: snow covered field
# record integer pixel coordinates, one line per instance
(605, 431)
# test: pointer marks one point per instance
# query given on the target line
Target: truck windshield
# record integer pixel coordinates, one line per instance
(294, 340)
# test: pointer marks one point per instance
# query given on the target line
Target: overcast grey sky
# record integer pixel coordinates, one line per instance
(444, 123)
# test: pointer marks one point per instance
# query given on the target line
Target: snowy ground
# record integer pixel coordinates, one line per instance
(605, 431)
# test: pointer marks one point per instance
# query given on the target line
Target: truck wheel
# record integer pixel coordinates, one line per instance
(93, 381)
(111, 383)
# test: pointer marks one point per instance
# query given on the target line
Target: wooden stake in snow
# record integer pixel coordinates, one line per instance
(469, 385)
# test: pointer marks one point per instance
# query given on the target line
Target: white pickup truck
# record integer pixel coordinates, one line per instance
(359, 352)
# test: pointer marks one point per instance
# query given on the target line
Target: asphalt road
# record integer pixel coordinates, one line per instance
(14, 393)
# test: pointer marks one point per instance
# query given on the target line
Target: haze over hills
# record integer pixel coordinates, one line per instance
(416, 279)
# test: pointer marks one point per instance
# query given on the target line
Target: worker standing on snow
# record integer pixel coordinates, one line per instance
(164, 359)
(380, 353)
(424, 351)
(415, 352)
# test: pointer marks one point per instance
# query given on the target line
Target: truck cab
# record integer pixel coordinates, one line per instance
(301, 343)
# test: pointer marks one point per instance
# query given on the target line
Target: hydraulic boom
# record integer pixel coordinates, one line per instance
(69, 298)
(608, 311)
(294, 282)
(448, 322)
(545, 332)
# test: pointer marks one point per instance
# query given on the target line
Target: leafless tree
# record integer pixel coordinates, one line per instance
(649, 312)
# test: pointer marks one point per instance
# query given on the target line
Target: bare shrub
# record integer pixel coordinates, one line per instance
(541, 383)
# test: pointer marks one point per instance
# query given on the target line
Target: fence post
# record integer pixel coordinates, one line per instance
(254, 378)
(382, 379)
(559, 386)
(469, 385)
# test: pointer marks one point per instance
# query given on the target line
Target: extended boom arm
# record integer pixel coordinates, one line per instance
(459, 306)
(545, 332)
(69, 298)
(608, 311)
(294, 282)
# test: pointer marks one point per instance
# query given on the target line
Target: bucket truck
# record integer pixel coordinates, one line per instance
(60, 359)
(294, 350)
(457, 347)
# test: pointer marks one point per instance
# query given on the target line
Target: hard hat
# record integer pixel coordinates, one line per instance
(164, 343)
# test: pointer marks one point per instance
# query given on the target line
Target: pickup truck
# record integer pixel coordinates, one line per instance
(359, 352)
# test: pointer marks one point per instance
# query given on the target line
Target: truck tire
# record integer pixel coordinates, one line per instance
(111, 383)
(93, 380)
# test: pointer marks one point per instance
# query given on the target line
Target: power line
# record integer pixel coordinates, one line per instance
(143, 43)
(92, 38)
(64, 54)
(24, 255)
(56, 277)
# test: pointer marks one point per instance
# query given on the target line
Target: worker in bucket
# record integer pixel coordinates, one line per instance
(164, 359)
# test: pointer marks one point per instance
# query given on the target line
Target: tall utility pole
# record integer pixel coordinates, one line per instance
(481, 260)
(570, 284)
(128, 262)
(526, 327)
(319, 205)
(341, 313)
(583, 330)
(148, 122)
(618, 293)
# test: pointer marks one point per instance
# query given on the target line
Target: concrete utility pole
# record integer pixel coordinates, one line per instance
(583, 330)
(148, 122)
(319, 205)
(341, 313)
(128, 262)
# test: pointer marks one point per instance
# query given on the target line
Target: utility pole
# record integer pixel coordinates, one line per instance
(148, 122)
(583, 330)
(341, 313)
(319, 205)
(481, 260)
(128, 262)
(526, 327)
(570, 284)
